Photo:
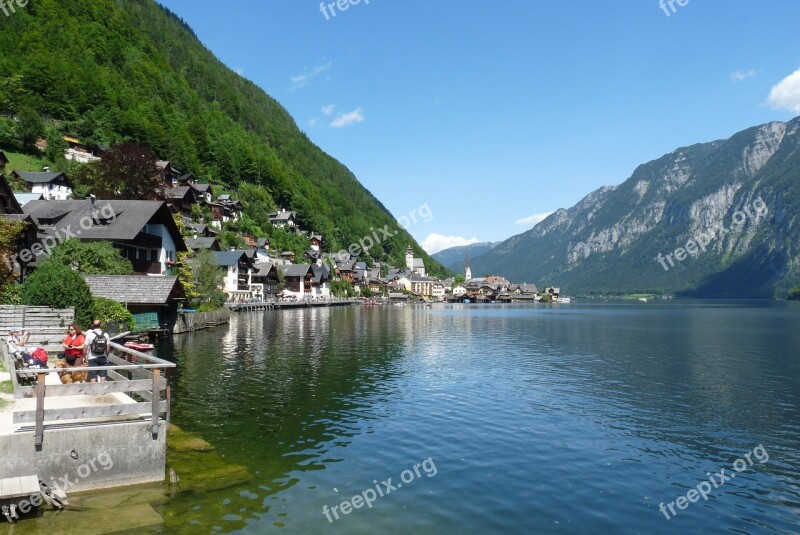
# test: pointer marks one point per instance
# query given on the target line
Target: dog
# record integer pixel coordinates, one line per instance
(71, 377)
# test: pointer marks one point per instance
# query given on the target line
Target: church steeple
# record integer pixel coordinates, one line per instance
(467, 271)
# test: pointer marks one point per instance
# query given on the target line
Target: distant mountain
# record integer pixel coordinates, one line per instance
(453, 257)
(108, 71)
(734, 204)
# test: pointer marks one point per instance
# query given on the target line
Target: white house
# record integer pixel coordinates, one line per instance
(459, 291)
(437, 291)
(283, 219)
(238, 271)
(53, 186)
(143, 231)
(80, 156)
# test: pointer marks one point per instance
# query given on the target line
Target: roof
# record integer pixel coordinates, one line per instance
(320, 272)
(128, 218)
(418, 263)
(25, 198)
(229, 258)
(224, 198)
(263, 269)
(135, 289)
(3, 156)
(282, 216)
(201, 242)
(178, 192)
(41, 178)
(295, 270)
(202, 188)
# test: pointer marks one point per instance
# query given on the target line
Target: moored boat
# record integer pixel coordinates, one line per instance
(139, 346)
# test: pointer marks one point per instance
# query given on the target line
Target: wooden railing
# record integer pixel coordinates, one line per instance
(130, 372)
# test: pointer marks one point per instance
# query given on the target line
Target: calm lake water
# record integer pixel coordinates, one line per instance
(576, 418)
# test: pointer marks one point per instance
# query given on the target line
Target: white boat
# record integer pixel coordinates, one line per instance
(643, 299)
(567, 300)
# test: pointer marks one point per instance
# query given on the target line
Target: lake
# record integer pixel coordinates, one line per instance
(596, 417)
(580, 418)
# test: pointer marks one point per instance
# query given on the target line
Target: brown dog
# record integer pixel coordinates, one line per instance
(70, 377)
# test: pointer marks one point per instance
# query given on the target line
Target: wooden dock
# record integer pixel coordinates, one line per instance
(17, 495)
(281, 305)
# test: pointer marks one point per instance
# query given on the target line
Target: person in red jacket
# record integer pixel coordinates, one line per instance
(74, 344)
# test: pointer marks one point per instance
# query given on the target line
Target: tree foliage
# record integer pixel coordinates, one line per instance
(10, 231)
(56, 285)
(109, 72)
(794, 294)
(208, 279)
(109, 311)
(128, 171)
(92, 258)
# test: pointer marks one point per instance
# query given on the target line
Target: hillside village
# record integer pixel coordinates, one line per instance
(156, 236)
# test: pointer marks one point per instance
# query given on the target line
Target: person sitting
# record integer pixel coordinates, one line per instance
(16, 345)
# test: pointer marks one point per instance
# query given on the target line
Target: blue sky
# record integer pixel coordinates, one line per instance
(490, 113)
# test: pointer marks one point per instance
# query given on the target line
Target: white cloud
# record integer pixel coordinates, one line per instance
(302, 80)
(533, 219)
(786, 93)
(436, 242)
(328, 110)
(346, 119)
(313, 121)
(739, 76)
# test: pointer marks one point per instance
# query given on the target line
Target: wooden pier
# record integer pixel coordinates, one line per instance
(280, 305)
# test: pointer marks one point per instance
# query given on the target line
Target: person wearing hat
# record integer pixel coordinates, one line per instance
(16, 344)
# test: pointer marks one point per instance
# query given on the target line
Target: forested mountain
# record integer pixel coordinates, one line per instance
(454, 257)
(739, 197)
(108, 71)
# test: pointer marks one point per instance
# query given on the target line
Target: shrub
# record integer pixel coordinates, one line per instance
(109, 311)
(794, 294)
(57, 286)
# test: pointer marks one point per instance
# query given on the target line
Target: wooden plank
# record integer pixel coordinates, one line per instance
(79, 413)
(155, 402)
(40, 388)
(108, 387)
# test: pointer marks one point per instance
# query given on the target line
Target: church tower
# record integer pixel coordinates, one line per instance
(410, 258)
(467, 271)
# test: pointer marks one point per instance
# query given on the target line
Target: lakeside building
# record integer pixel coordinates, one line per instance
(238, 269)
(160, 297)
(143, 231)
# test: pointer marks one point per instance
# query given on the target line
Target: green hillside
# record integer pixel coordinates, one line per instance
(110, 71)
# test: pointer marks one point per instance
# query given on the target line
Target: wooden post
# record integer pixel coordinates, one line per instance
(40, 387)
(156, 400)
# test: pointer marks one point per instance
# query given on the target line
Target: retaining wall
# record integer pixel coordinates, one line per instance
(198, 320)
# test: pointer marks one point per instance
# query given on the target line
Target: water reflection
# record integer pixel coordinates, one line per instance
(571, 419)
